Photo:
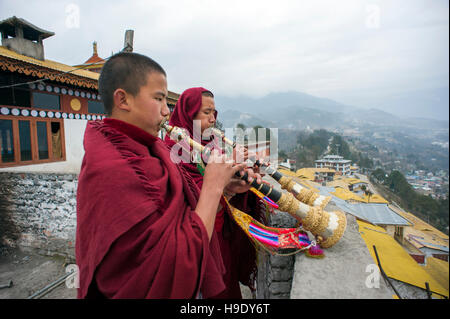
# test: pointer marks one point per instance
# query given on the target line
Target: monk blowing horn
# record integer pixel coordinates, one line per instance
(301, 193)
(328, 227)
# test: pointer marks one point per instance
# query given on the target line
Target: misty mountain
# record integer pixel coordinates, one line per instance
(370, 116)
(424, 103)
(296, 110)
(271, 103)
(427, 123)
(230, 118)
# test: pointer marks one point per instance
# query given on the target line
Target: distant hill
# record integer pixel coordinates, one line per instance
(230, 118)
(271, 103)
(296, 110)
(424, 103)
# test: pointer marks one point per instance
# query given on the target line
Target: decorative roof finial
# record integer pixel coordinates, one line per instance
(95, 47)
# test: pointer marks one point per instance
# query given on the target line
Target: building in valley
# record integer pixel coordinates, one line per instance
(336, 162)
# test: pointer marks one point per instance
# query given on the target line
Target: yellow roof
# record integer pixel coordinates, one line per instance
(308, 184)
(419, 228)
(303, 182)
(286, 172)
(48, 64)
(342, 191)
(305, 173)
(339, 182)
(438, 269)
(308, 172)
(60, 67)
(395, 261)
(345, 194)
(375, 198)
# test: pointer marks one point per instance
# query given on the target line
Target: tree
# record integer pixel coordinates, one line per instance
(340, 147)
(379, 175)
(424, 206)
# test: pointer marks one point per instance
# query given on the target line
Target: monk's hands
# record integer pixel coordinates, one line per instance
(237, 185)
(219, 174)
(220, 171)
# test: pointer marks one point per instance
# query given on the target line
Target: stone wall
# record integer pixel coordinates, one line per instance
(275, 272)
(346, 272)
(43, 209)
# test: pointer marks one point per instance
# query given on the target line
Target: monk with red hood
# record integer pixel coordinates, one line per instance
(144, 227)
(195, 111)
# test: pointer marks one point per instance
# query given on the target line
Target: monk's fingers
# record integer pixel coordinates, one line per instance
(239, 168)
(255, 175)
(238, 181)
(258, 178)
(251, 176)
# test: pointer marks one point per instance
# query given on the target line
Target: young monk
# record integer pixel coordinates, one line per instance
(239, 255)
(144, 228)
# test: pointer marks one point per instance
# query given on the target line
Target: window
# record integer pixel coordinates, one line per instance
(16, 95)
(96, 107)
(42, 140)
(6, 141)
(399, 231)
(46, 101)
(25, 140)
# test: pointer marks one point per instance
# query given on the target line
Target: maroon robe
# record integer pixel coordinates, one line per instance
(138, 235)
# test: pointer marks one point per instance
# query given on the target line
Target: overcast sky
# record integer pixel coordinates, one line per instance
(362, 53)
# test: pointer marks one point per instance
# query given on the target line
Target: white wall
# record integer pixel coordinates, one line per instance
(74, 135)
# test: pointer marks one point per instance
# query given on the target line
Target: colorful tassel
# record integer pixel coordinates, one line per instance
(315, 252)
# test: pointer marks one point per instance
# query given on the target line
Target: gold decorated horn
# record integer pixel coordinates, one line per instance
(328, 227)
(303, 194)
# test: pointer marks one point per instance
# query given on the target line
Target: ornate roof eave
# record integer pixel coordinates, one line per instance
(12, 65)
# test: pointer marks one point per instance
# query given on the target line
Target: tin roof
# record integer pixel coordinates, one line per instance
(378, 214)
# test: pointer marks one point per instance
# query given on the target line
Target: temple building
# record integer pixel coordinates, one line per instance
(45, 105)
(335, 162)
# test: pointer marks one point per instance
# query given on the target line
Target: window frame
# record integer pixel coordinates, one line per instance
(95, 101)
(34, 141)
(43, 108)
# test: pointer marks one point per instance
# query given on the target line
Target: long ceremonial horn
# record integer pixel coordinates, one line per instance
(328, 227)
(303, 194)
